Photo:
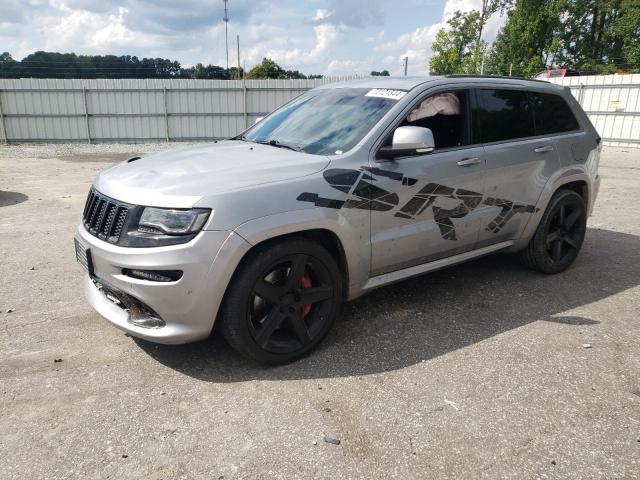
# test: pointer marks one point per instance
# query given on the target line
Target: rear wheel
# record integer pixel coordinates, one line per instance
(560, 234)
(282, 301)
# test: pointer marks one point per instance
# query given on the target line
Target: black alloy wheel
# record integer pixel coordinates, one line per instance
(290, 303)
(560, 234)
(282, 301)
(565, 232)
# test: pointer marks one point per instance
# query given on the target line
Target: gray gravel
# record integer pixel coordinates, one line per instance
(478, 371)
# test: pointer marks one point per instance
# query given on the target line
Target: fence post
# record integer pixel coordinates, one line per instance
(244, 101)
(2, 124)
(581, 94)
(166, 115)
(86, 113)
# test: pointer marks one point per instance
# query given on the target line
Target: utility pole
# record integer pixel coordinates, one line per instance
(238, 37)
(406, 63)
(226, 30)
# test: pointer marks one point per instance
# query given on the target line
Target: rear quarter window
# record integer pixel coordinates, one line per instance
(552, 114)
(501, 115)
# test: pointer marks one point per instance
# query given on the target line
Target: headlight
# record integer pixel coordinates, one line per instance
(157, 227)
(172, 222)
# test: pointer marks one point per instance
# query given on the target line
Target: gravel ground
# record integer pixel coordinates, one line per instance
(484, 370)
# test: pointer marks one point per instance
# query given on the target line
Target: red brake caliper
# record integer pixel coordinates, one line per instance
(306, 283)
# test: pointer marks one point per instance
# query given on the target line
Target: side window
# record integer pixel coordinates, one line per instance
(501, 115)
(552, 114)
(444, 114)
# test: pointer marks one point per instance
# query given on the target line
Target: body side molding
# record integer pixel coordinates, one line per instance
(384, 279)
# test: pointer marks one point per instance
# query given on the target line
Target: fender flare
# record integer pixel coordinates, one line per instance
(574, 173)
(357, 252)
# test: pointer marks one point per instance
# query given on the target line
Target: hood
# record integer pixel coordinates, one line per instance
(179, 178)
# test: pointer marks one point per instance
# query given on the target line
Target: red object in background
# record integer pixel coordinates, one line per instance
(557, 73)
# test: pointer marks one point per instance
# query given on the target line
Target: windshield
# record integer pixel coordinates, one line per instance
(326, 121)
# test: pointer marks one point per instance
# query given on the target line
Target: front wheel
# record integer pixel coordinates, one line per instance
(560, 234)
(282, 301)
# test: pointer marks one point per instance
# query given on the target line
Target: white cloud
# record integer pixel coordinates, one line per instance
(377, 37)
(96, 32)
(331, 36)
(326, 36)
(349, 67)
(417, 44)
(322, 15)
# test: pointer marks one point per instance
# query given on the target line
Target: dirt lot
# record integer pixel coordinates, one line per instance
(479, 371)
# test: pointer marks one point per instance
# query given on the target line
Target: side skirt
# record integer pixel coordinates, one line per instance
(391, 277)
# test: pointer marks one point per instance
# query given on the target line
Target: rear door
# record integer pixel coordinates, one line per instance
(554, 118)
(517, 161)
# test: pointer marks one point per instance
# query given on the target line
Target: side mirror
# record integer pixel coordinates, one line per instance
(259, 119)
(408, 140)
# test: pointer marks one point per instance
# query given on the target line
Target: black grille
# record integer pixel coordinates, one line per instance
(104, 217)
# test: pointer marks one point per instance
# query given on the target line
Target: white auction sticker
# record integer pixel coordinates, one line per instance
(386, 93)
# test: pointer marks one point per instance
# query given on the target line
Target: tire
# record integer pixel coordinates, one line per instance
(282, 301)
(559, 236)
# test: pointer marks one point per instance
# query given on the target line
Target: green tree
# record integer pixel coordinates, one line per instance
(601, 35)
(592, 36)
(270, 69)
(457, 49)
(7, 65)
(266, 69)
(627, 28)
(70, 65)
(383, 73)
(530, 39)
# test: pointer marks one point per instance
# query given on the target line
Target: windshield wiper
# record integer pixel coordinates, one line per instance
(276, 143)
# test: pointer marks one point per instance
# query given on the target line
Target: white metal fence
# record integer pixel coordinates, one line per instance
(110, 110)
(612, 103)
(104, 110)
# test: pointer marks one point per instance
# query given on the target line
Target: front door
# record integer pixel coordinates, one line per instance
(436, 198)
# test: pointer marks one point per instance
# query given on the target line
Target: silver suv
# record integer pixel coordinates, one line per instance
(347, 188)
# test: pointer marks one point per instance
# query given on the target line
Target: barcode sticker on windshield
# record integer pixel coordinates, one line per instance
(386, 93)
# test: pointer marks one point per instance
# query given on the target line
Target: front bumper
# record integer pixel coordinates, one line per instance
(188, 306)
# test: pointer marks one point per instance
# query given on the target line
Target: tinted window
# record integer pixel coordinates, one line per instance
(444, 114)
(502, 115)
(552, 114)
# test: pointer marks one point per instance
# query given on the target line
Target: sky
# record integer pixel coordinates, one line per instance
(329, 37)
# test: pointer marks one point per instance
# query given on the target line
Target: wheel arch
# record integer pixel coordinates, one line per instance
(327, 228)
(572, 179)
(581, 187)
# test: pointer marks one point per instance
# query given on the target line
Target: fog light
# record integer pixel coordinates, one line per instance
(154, 275)
(147, 322)
(140, 314)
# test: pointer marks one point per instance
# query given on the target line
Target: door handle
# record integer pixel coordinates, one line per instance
(465, 162)
(546, 148)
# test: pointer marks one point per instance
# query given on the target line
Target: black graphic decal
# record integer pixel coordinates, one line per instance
(364, 195)
(392, 175)
(341, 179)
(428, 196)
(320, 201)
(359, 184)
(509, 209)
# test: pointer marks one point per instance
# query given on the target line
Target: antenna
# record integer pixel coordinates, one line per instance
(226, 30)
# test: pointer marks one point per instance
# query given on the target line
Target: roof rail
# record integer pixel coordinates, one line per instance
(504, 77)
